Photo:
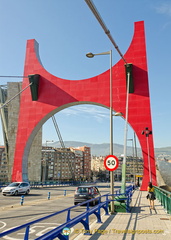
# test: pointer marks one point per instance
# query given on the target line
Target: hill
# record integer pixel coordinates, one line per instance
(102, 149)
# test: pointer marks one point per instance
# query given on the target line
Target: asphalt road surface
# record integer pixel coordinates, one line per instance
(37, 205)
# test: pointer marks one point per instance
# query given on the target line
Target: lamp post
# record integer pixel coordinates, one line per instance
(133, 160)
(148, 132)
(117, 114)
(91, 55)
(136, 155)
(123, 186)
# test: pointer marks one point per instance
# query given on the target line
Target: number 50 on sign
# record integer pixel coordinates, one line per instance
(111, 162)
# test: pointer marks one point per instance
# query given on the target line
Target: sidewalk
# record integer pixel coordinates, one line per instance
(142, 223)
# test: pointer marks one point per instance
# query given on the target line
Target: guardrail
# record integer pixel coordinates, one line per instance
(62, 183)
(51, 184)
(164, 198)
(82, 218)
(43, 184)
(55, 183)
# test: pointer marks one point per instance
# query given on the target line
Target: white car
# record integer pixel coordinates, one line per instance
(16, 188)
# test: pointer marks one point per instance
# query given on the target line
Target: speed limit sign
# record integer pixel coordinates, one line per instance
(111, 162)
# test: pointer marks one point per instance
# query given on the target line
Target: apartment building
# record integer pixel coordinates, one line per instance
(3, 165)
(134, 168)
(86, 162)
(65, 163)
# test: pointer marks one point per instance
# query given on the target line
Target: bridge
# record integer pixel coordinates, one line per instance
(50, 94)
(43, 95)
(136, 221)
(141, 223)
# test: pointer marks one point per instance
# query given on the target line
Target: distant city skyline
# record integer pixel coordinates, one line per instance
(67, 30)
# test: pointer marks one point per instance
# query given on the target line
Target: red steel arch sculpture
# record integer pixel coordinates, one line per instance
(55, 94)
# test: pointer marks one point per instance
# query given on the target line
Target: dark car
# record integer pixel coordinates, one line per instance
(84, 193)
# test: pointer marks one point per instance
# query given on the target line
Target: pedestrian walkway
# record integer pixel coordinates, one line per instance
(142, 223)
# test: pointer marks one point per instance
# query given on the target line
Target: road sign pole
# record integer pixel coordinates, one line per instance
(111, 132)
(111, 163)
(112, 191)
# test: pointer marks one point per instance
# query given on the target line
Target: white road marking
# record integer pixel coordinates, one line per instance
(3, 224)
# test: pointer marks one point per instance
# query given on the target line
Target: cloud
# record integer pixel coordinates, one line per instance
(89, 111)
(166, 25)
(164, 8)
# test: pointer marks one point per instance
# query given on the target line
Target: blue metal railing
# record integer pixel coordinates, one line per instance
(82, 218)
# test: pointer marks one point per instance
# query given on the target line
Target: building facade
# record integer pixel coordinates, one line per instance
(134, 168)
(85, 164)
(3, 165)
(65, 163)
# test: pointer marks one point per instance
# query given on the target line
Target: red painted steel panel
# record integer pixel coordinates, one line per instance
(56, 93)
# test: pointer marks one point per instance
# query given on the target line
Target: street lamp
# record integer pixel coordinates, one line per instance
(117, 114)
(133, 160)
(91, 55)
(123, 186)
(148, 132)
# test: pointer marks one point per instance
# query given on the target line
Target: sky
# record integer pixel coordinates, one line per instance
(66, 30)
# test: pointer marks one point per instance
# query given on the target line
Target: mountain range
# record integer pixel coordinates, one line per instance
(103, 149)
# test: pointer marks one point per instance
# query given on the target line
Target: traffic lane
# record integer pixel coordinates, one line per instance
(35, 209)
(25, 214)
(35, 194)
(38, 195)
(38, 205)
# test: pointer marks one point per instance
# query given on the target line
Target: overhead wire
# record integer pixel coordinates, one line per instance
(106, 30)
(3, 105)
(13, 76)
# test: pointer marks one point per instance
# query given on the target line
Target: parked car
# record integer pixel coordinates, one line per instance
(84, 193)
(16, 188)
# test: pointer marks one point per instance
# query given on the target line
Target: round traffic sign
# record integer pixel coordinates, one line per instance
(111, 162)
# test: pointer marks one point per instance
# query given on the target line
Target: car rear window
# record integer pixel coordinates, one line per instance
(82, 190)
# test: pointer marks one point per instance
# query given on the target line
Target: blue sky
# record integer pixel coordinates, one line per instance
(66, 30)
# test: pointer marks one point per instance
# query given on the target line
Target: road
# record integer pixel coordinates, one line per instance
(37, 205)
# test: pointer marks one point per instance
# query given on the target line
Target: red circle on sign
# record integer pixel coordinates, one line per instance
(111, 162)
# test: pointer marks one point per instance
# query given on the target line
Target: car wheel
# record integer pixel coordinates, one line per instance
(27, 192)
(16, 193)
(4, 194)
